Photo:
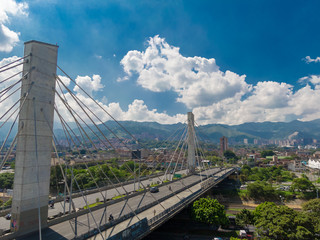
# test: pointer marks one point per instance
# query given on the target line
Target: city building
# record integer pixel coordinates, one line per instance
(223, 144)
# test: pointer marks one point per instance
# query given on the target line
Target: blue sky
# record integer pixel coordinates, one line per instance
(227, 61)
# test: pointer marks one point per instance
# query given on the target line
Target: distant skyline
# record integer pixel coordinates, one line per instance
(228, 62)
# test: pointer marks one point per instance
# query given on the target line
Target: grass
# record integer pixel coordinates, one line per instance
(230, 214)
(154, 184)
(119, 196)
(92, 205)
(140, 190)
(234, 209)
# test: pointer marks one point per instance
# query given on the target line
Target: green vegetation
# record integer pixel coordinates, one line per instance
(271, 174)
(282, 222)
(266, 153)
(210, 211)
(154, 184)
(6, 180)
(302, 185)
(271, 221)
(312, 207)
(140, 190)
(229, 155)
(96, 174)
(92, 205)
(8, 203)
(262, 191)
(119, 196)
(244, 218)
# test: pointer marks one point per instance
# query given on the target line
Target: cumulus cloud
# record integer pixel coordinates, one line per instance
(220, 97)
(314, 79)
(137, 111)
(10, 101)
(216, 96)
(196, 80)
(88, 84)
(308, 59)
(10, 9)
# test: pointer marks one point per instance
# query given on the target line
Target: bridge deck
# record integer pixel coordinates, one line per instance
(150, 206)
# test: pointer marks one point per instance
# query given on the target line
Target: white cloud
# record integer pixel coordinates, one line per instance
(137, 111)
(9, 9)
(314, 79)
(66, 81)
(216, 96)
(8, 39)
(308, 59)
(229, 101)
(270, 101)
(6, 104)
(197, 81)
(88, 84)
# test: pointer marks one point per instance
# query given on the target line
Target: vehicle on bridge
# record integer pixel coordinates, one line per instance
(8, 216)
(154, 189)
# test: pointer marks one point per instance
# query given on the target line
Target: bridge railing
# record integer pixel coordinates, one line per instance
(169, 211)
(204, 185)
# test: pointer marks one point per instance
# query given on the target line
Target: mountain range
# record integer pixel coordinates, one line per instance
(212, 132)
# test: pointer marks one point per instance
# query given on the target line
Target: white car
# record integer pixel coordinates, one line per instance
(243, 233)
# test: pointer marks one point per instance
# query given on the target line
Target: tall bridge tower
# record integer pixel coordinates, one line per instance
(34, 143)
(191, 146)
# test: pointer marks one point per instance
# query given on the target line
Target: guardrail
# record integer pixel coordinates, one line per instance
(170, 211)
(107, 187)
(204, 186)
(151, 222)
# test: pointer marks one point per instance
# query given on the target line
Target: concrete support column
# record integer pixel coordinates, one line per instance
(34, 143)
(191, 146)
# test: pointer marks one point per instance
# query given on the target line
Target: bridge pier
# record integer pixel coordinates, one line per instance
(34, 142)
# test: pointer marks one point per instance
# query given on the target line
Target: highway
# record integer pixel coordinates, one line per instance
(80, 202)
(87, 222)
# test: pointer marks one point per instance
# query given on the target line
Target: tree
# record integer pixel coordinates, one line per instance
(302, 185)
(6, 180)
(244, 218)
(282, 222)
(8, 203)
(312, 208)
(266, 153)
(228, 154)
(130, 165)
(210, 211)
(261, 190)
(214, 159)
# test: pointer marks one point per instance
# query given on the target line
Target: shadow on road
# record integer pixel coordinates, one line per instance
(47, 234)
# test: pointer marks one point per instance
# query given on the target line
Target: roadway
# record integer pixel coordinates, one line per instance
(80, 202)
(87, 222)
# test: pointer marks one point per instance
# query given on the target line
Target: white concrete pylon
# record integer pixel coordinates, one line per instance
(34, 143)
(191, 144)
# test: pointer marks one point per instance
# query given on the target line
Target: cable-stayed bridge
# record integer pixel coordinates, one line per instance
(127, 201)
